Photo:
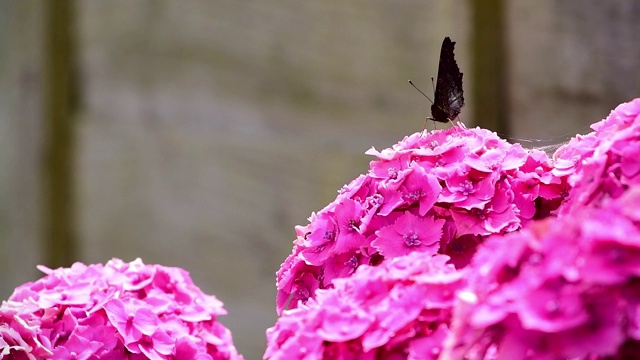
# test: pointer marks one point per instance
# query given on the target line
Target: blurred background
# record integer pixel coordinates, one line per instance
(199, 133)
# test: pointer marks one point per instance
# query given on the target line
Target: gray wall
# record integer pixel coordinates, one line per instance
(208, 129)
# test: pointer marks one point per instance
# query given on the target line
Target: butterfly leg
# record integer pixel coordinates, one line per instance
(427, 120)
(460, 123)
(453, 125)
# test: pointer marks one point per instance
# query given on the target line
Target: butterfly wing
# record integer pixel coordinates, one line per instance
(449, 98)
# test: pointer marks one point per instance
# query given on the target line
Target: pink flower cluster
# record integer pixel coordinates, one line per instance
(398, 310)
(437, 192)
(605, 162)
(116, 311)
(564, 288)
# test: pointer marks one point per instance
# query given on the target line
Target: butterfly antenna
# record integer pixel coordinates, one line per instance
(420, 91)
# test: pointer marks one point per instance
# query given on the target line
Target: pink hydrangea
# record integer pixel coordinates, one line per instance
(114, 311)
(398, 310)
(433, 192)
(605, 162)
(563, 288)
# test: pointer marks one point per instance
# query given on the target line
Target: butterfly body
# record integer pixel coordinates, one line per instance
(449, 97)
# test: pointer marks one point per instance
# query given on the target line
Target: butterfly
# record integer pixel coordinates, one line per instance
(449, 96)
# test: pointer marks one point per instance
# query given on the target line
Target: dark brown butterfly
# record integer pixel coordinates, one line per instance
(449, 98)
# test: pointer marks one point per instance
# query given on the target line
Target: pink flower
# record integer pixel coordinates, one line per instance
(605, 162)
(19, 339)
(469, 179)
(321, 241)
(343, 322)
(131, 320)
(348, 221)
(383, 312)
(420, 188)
(428, 347)
(343, 265)
(469, 190)
(393, 172)
(489, 220)
(114, 311)
(409, 233)
(155, 346)
(496, 158)
(298, 283)
(560, 288)
(76, 347)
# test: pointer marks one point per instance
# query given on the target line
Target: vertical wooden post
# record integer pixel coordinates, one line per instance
(490, 65)
(60, 243)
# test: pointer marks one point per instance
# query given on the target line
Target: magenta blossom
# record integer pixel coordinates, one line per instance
(114, 311)
(564, 288)
(400, 309)
(605, 162)
(433, 192)
(407, 234)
